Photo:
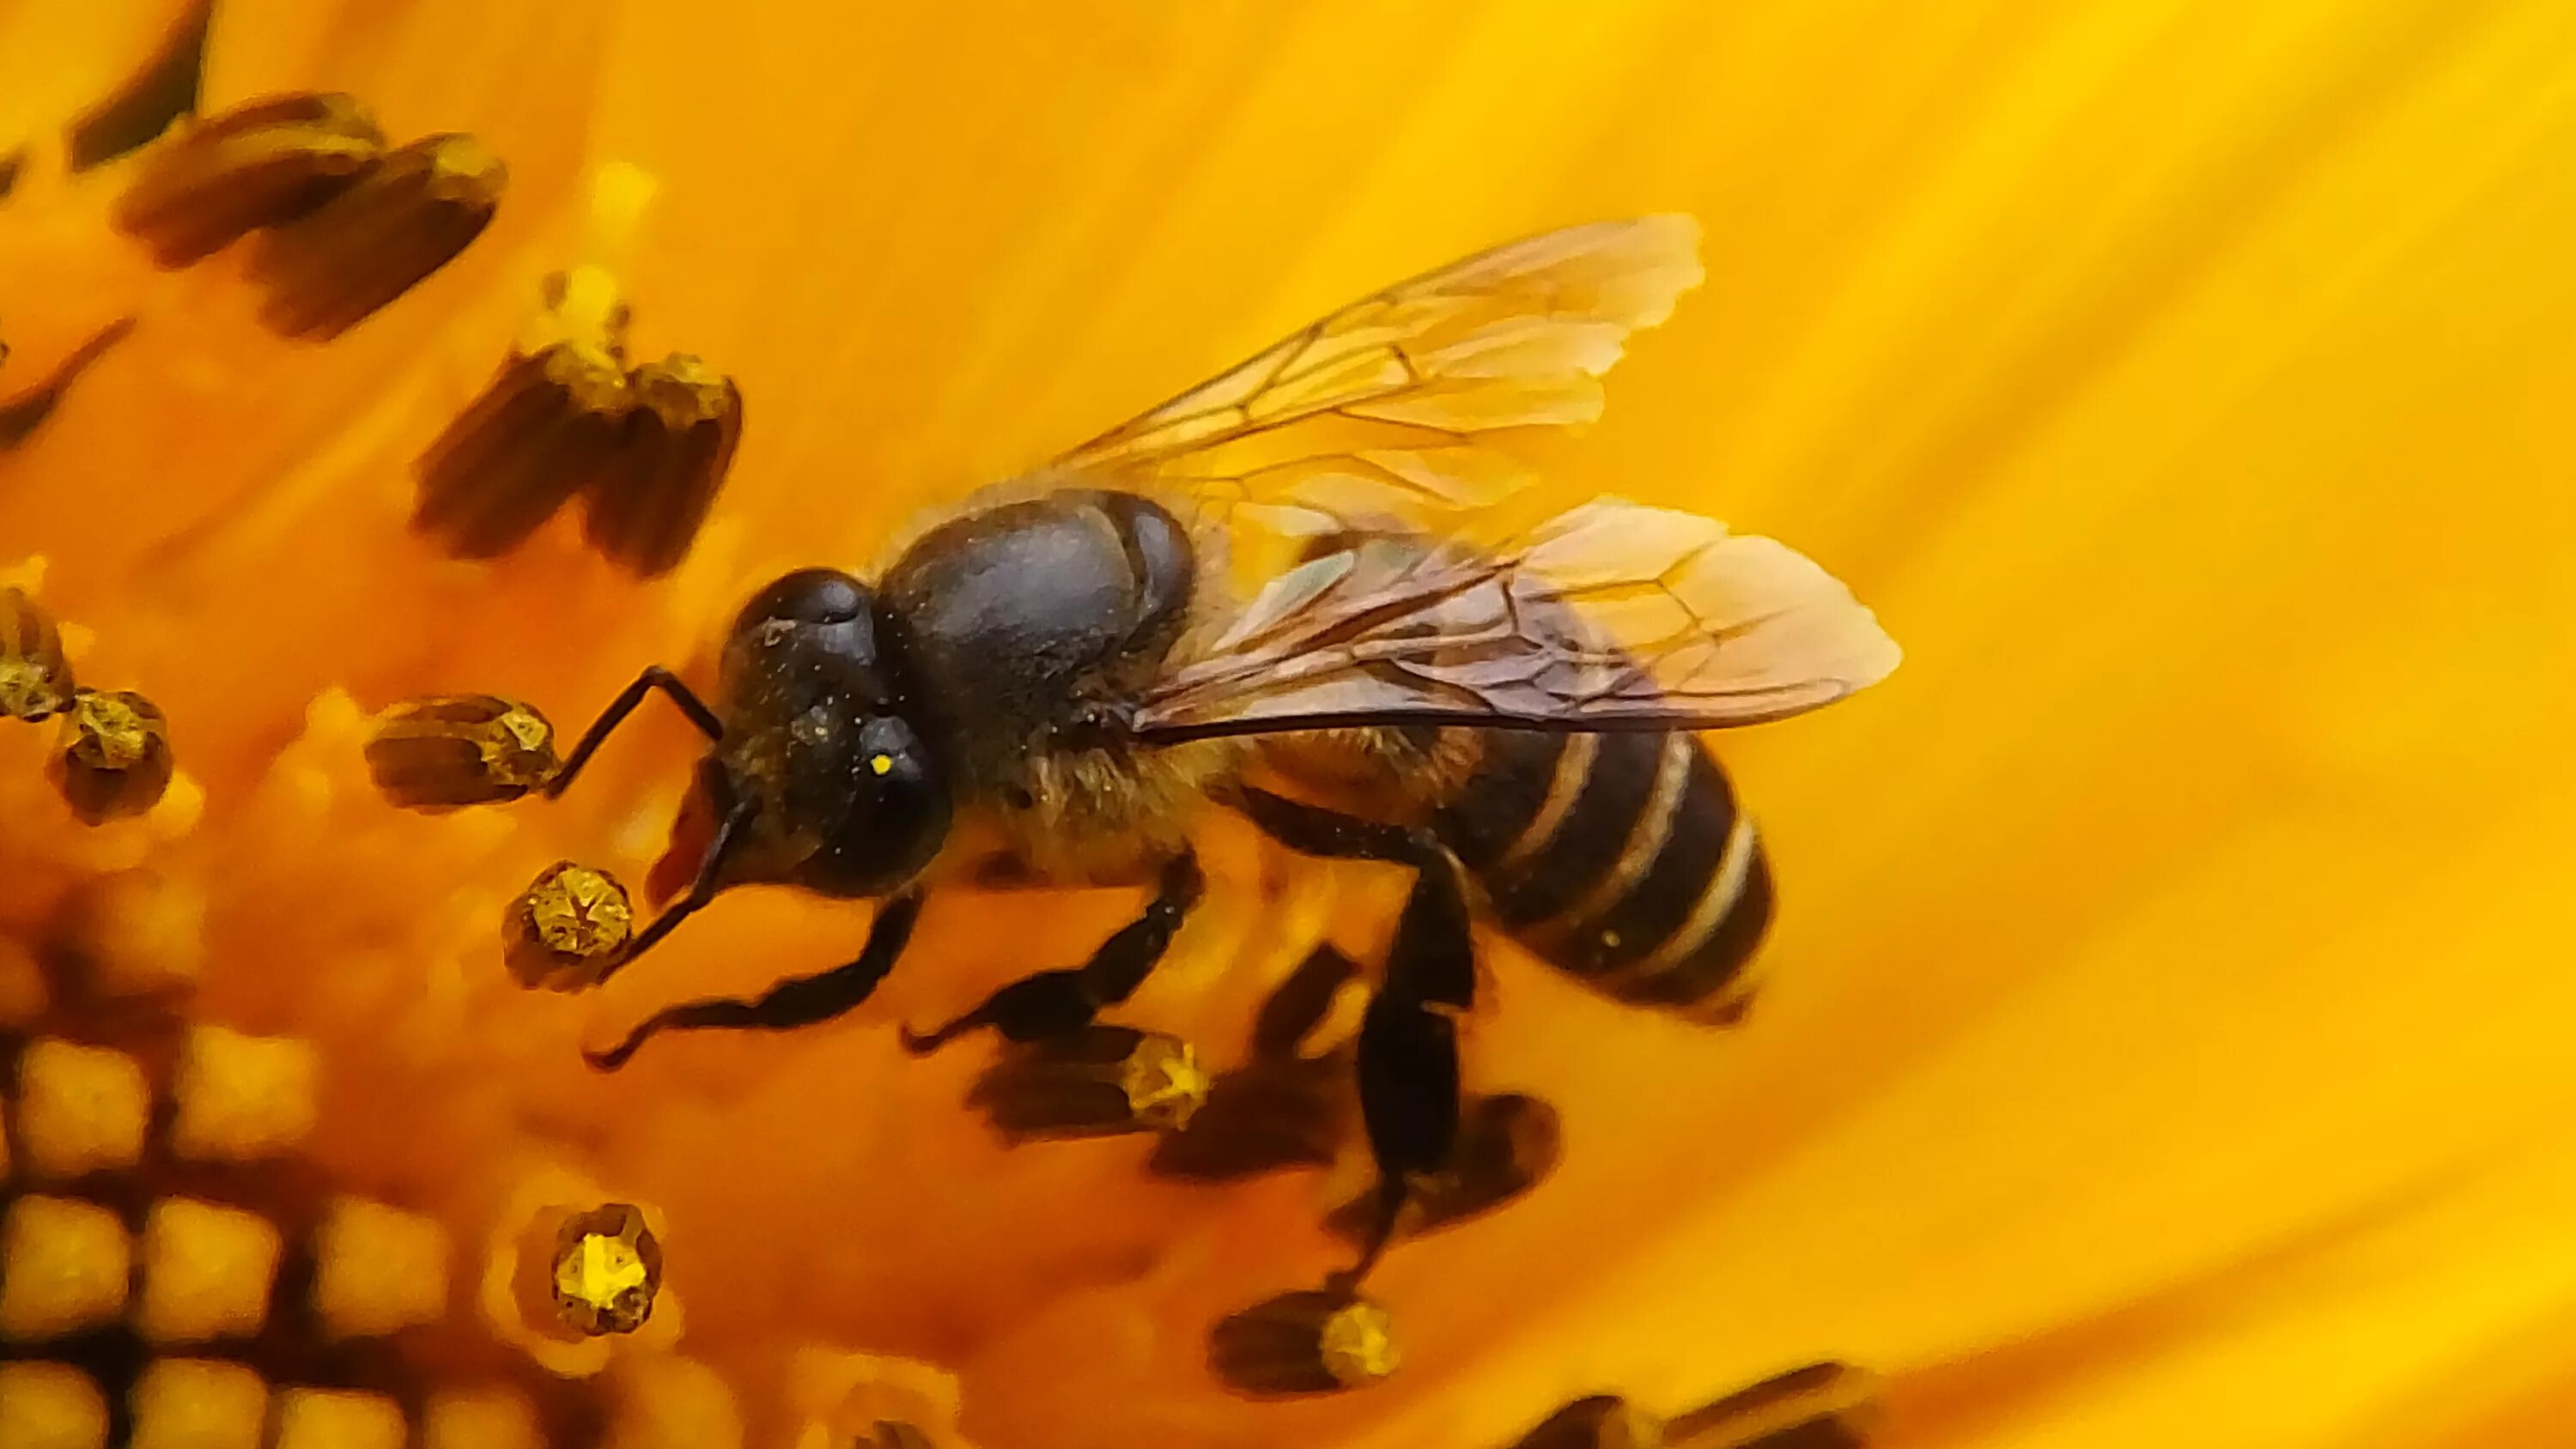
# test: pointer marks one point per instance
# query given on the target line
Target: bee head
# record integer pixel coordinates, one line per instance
(841, 792)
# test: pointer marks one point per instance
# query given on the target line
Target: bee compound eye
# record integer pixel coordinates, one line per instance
(810, 596)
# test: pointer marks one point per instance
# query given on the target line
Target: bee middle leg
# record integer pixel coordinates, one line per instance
(1408, 1043)
(790, 1004)
(1059, 1003)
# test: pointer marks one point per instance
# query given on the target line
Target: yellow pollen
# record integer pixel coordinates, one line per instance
(607, 1268)
(881, 764)
(1164, 1083)
(1358, 1344)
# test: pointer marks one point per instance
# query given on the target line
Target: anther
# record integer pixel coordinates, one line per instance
(1267, 1116)
(1299, 1005)
(385, 234)
(549, 425)
(644, 513)
(35, 678)
(1820, 1406)
(1097, 1082)
(1603, 1421)
(607, 1270)
(894, 1434)
(260, 165)
(1506, 1145)
(566, 930)
(114, 760)
(453, 751)
(1317, 1342)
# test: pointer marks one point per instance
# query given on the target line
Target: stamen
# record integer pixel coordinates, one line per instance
(1304, 1343)
(338, 1419)
(242, 1098)
(189, 1401)
(263, 164)
(1820, 1406)
(51, 1404)
(1507, 1144)
(449, 752)
(607, 1270)
(207, 1272)
(1603, 1421)
(376, 240)
(378, 1269)
(481, 1419)
(1268, 1116)
(35, 677)
(1098, 1082)
(1301, 1003)
(548, 426)
(63, 1268)
(644, 513)
(114, 760)
(565, 931)
(81, 1109)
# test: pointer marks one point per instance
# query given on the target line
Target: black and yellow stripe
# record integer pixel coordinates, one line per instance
(1620, 858)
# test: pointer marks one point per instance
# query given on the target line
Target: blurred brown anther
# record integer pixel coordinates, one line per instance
(384, 234)
(889, 1434)
(545, 428)
(1506, 1145)
(1819, 1406)
(1300, 1004)
(114, 760)
(1316, 1342)
(607, 1270)
(1266, 1116)
(645, 512)
(453, 751)
(567, 929)
(646, 448)
(35, 677)
(1603, 1421)
(1098, 1082)
(262, 164)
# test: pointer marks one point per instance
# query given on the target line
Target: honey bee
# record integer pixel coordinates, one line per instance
(1060, 677)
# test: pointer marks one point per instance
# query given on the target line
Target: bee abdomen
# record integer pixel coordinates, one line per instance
(1621, 859)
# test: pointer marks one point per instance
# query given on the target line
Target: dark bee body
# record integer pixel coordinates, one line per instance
(1067, 679)
(1622, 859)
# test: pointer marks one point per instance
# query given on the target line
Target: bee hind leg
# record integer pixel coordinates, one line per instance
(1059, 1003)
(790, 1004)
(1408, 1044)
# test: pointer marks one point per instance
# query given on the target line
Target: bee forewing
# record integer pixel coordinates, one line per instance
(1384, 406)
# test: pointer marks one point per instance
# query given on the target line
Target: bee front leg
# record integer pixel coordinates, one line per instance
(1059, 1003)
(1408, 1046)
(790, 1004)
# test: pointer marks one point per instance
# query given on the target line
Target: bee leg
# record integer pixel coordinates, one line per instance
(1058, 1003)
(1408, 1045)
(790, 1004)
(653, 678)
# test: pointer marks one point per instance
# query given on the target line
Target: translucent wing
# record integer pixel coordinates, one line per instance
(1610, 616)
(1384, 407)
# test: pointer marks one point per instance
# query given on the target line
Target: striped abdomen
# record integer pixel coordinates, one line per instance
(1620, 858)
